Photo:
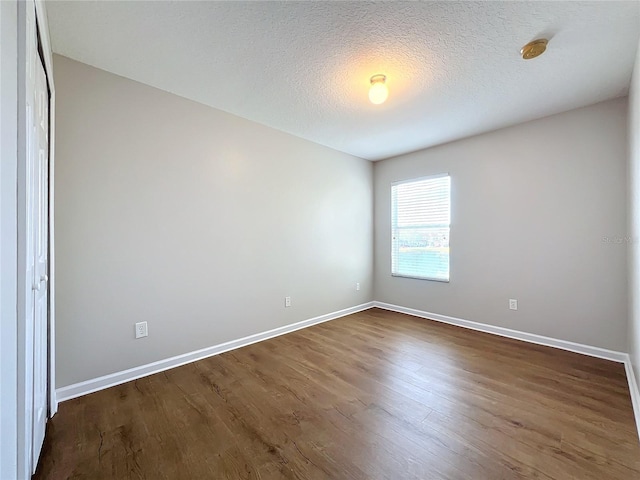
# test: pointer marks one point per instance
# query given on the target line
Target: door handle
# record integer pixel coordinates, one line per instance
(44, 278)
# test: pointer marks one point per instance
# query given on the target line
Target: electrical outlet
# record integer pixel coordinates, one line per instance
(358, 286)
(287, 301)
(141, 330)
(513, 304)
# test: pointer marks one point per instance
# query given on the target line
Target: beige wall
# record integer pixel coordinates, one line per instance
(531, 205)
(194, 220)
(634, 218)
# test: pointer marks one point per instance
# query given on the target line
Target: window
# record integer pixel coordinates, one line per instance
(420, 222)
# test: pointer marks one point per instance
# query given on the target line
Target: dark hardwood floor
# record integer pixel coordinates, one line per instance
(375, 395)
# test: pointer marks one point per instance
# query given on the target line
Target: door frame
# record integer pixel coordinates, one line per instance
(8, 240)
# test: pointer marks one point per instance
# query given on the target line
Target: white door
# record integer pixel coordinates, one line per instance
(31, 285)
(41, 250)
(37, 233)
(36, 240)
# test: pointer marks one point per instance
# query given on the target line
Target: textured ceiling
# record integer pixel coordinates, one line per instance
(453, 68)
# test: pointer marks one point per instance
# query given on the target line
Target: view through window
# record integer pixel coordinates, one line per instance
(420, 224)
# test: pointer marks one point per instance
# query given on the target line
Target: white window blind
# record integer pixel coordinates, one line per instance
(420, 223)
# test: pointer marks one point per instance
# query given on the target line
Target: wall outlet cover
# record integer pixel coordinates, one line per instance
(141, 330)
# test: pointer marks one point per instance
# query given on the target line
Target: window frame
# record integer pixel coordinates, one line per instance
(394, 227)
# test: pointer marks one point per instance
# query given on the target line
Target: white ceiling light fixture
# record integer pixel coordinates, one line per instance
(378, 92)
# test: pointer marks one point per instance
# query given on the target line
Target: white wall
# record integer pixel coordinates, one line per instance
(634, 219)
(194, 220)
(531, 205)
(8, 239)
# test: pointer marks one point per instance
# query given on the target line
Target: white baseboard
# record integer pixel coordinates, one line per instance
(633, 390)
(507, 332)
(106, 381)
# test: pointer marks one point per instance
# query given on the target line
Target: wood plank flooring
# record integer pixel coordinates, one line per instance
(375, 395)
